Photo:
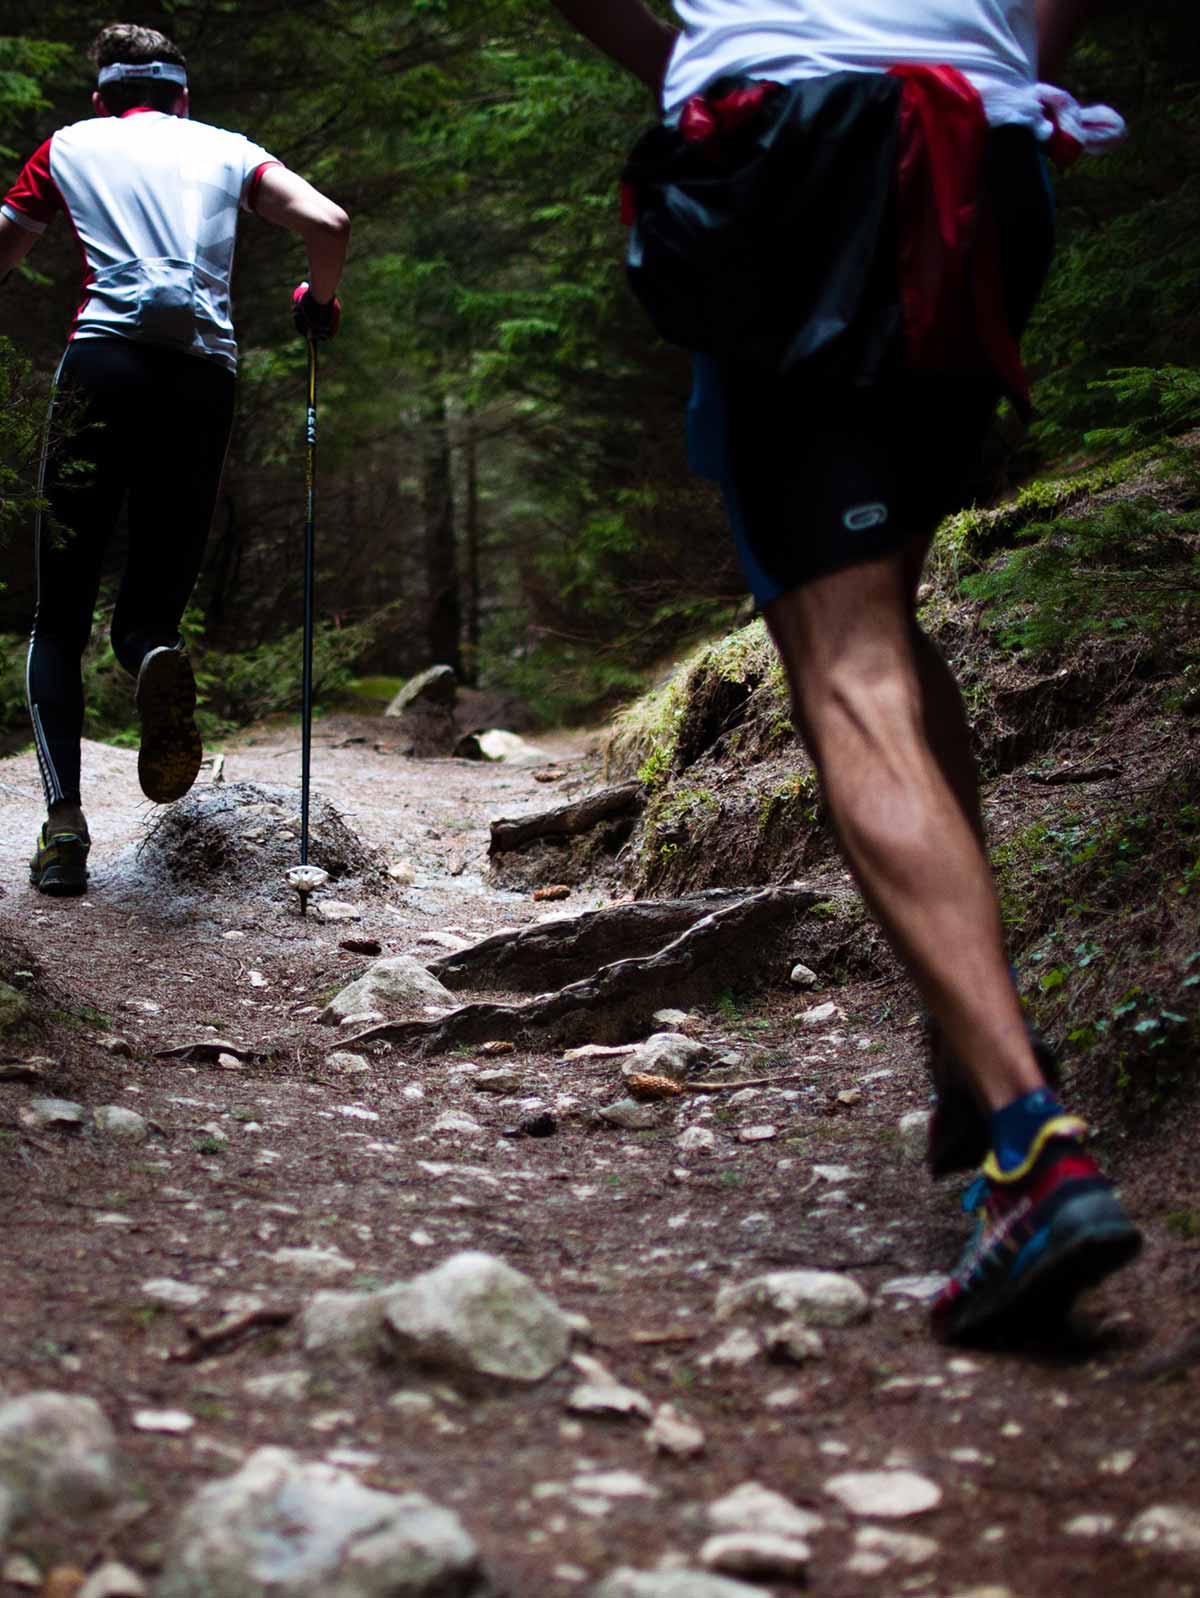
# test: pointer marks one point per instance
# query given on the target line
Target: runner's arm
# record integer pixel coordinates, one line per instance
(285, 199)
(15, 244)
(628, 32)
(1059, 24)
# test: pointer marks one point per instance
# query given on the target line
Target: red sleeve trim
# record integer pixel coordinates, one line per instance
(250, 198)
(35, 194)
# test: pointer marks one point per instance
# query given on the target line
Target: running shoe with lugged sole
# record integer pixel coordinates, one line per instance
(171, 751)
(59, 865)
(1045, 1233)
(959, 1130)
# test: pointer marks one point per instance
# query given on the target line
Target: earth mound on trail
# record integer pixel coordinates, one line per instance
(238, 842)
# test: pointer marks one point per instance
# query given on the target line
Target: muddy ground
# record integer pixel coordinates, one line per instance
(280, 1151)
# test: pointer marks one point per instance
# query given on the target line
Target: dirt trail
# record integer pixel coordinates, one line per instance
(622, 1227)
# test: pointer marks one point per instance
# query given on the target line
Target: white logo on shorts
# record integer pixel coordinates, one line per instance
(860, 517)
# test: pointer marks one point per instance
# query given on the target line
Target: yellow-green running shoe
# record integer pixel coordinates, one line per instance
(59, 866)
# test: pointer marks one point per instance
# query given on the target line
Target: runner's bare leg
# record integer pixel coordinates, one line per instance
(871, 705)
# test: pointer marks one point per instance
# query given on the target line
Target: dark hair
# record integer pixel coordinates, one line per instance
(127, 42)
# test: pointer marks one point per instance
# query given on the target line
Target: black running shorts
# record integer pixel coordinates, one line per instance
(818, 475)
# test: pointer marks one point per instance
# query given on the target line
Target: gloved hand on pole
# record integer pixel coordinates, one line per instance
(314, 320)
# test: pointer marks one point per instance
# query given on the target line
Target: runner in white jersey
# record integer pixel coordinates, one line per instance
(845, 216)
(153, 201)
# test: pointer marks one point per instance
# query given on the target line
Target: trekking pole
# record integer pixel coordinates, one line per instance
(306, 879)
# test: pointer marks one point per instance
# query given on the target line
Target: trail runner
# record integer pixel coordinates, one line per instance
(153, 199)
(846, 216)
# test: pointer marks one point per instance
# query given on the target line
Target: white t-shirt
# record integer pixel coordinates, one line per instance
(992, 42)
(153, 201)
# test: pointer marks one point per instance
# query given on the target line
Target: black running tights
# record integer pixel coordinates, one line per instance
(147, 428)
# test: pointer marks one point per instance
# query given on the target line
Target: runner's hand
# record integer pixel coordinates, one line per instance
(314, 320)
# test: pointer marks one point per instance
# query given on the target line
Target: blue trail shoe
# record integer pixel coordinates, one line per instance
(1045, 1232)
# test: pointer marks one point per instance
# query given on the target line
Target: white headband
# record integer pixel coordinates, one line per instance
(123, 71)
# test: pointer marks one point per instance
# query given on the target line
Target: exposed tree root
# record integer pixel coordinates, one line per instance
(535, 959)
(617, 1002)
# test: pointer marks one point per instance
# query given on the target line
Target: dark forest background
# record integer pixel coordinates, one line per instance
(503, 483)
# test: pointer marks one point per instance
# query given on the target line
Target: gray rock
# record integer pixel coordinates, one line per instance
(497, 744)
(600, 1393)
(58, 1460)
(673, 1433)
(667, 1054)
(18, 1569)
(60, 1114)
(331, 911)
(281, 1528)
(14, 1007)
(757, 1553)
(392, 986)
(885, 1494)
(454, 1121)
(876, 1548)
(814, 1298)
(914, 1135)
(113, 1580)
(174, 1294)
(818, 1015)
(753, 1508)
(476, 1316)
(435, 688)
(1091, 1526)
(345, 1328)
(497, 1081)
(626, 1583)
(803, 976)
(348, 1064)
(696, 1140)
(116, 1121)
(795, 1341)
(1173, 1528)
(327, 1262)
(915, 1289)
(741, 1347)
(289, 1387)
(630, 1115)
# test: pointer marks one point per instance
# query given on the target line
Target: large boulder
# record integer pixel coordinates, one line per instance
(475, 1316)
(397, 986)
(281, 1528)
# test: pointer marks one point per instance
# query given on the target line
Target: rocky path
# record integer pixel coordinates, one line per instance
(328, 1318)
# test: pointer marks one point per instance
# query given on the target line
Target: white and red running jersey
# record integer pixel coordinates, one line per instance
(153, 200)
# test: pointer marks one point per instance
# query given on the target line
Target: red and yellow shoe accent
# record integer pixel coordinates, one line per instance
(1045, 1232)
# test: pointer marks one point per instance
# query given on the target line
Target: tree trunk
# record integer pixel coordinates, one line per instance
(444, 617)
(471, 483)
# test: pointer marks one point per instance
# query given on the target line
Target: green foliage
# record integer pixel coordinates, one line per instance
(1128, 567)
(234, 688)
(1159, 402)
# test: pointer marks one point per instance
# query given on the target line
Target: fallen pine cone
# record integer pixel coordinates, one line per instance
(548, 895)
(64, 1581)
(652, 1087)
(498, 1046)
